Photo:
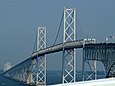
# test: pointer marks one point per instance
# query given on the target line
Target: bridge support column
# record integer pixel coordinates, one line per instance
(91, 64)
(69, 56)
(34, 70)
(30, 77)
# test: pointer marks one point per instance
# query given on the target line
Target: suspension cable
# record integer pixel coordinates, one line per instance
(35, 42)
(58, 29)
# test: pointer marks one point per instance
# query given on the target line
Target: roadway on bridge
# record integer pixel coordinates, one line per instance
(9, 82)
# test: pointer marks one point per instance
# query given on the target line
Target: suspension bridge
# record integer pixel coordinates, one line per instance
(33, 70)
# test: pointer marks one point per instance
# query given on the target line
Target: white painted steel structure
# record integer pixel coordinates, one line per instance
(69, 56)
(41, 61)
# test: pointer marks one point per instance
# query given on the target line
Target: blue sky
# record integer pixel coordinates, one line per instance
(19, 20)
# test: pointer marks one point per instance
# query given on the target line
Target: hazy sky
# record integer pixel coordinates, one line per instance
(19, 20)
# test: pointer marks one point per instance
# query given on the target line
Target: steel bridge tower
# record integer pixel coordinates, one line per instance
(39, 64)
(41, 61)
(69, 56)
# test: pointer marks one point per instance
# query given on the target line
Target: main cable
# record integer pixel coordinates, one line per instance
(58, 29)
(35, 43)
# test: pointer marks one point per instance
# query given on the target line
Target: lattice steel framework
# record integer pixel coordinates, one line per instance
(39, 64)
(104, 52)
(41, 61)
(69, 56)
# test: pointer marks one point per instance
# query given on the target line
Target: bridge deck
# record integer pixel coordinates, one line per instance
(59, 47)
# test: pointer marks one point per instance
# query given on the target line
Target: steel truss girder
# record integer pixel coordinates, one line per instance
(69, 56)
(104, 52)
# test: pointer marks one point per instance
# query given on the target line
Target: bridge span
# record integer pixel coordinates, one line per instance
(104, 52)
(26, 72)
(33, 70)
